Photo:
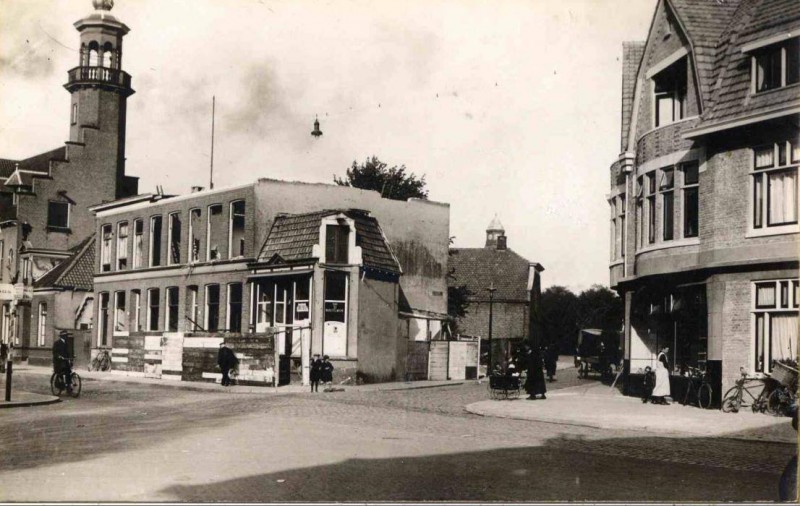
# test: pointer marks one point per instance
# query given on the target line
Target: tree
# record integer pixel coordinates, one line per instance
(457, 297)
(599, 307)
(392, 182)
(559, 308)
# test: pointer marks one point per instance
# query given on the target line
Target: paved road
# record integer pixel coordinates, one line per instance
(140, 442)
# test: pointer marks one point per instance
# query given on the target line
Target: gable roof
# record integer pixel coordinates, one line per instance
(35, 166)
(292, 238)
(75, 272)
(479, 268)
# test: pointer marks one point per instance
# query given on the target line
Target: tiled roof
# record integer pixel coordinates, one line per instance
(37, 163)
(293, 236)
(479, 268)
(75, 272)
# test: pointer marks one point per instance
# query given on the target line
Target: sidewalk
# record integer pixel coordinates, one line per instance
(238, 389)
(599, 406)
(21, 399)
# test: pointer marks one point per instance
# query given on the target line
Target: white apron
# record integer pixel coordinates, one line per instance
(662, 381)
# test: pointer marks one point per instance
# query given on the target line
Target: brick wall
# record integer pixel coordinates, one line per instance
(631, 58)
(509, 320)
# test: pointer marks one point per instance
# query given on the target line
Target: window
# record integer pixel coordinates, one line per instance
(622, 206)
(120, 312)
(335, 317)
(105, 248)
(138, 243)
(174, 239)
(691, 200)
(172, 309)
(74, 117)
(42, 323)
(102, 320)
(153, 308)
(234, 307)
(215, 233)
(336, 243)
(212, 308)
(776, 66)
(194, 236)
(666, 188)
(651, 208)
(618, 227)
(122, 246)
(155, 241)
(775, 322)
(775, 184)
(638, 216)
(236, 242)
(58, 215)
(136, 303)
(194, 309)
(669, 87)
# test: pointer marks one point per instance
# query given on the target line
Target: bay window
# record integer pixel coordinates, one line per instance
(774, 184)
(775, 312)
(651, 207)
(691, 199)
(666, 188)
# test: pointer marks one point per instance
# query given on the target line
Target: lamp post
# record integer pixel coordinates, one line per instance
(491, 291)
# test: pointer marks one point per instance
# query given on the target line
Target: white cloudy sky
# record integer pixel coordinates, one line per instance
(508, 107)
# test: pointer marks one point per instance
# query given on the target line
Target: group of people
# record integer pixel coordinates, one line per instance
(321, 372)
(538, 362)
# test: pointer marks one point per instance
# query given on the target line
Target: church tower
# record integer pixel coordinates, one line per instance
(495, 235)
(99, 90)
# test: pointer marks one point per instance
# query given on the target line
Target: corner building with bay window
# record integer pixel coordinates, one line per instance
(704, 194)
(325, 269)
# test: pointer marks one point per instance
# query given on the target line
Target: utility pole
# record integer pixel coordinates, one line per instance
(491, 291)
(213, 112)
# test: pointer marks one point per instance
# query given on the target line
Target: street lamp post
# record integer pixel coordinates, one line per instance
(491, 291)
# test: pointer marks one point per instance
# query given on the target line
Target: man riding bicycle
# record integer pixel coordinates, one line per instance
(61, 360)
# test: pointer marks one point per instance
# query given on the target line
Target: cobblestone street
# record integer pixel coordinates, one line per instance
(124, 441)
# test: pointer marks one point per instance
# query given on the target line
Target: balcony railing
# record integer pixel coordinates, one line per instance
(100, 75)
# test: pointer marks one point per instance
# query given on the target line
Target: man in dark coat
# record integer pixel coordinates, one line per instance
(550, 360)
(535, 384)
(327, 370)
(61, 357)
(316, 373)
(226, 359)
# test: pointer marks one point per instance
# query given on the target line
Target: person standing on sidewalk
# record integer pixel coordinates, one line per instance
(226, 359)
(316, 372)
(550, 360)
(3, 356)
(661, 390)
(535, 384)
(327, 371)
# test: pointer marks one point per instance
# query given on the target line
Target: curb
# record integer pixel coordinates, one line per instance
(22, 404)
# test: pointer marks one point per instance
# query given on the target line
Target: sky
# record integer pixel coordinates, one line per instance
(507, 108)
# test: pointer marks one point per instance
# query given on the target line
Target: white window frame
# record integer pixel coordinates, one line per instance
(122, 244)
(106, 247)
(780, 45)
(167, 317)
(684, 188)
(230, 227)
(138, 254)
(150, 258)
(207, 311)
(792, 163)
(663, 193)
(194, 308)
(69, 214)
(170, 221)
(116, 320)
(208, 233)
(136, 304)
(779, 308)
(150, 292)
(228, 311)
(42, 324)
(103, 332)
(194, 256)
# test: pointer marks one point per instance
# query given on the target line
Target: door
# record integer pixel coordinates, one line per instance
(263, 310)
(334, 340)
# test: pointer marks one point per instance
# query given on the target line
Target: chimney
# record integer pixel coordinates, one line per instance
(501, 242)
(197, 189)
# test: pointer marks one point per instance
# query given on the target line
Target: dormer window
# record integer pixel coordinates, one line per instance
(669, 87)
(776, 65)
(336, 243)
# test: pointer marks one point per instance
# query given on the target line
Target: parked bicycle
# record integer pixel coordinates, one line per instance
(101, 361)
(699, 388)
(783, 398)
(735, 399)
(58, 385)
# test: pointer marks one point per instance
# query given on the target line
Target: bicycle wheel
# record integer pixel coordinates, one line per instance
(704, 396)
(56, 385)
(687, 394)
(732, 400)
(75, 380)
(760, 404)
(775, 404)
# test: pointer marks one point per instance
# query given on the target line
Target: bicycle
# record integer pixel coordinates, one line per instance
(734, 397)
(101, 362)
(703, 392)
(57, 383)
(783, 398)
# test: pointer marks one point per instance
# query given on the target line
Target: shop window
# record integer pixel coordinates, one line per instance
(136, 305)
(336, 244)
(775, 323)
(776, 66)
(670, 87)
(153, 308)
(120, 312)
(155, 241)
(122, 246)
(174, 238)
(234, 307)
(237, 234)
(215, 233)
(212, 308)
(105, 248)
(195, 228)
(42, 324)
(102, 320)
(651, 208)
(774, 184)
(58, 215)
(172, 309)
(691, 200)
(138, 243)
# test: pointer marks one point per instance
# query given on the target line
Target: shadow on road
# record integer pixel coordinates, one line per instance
(554, 471)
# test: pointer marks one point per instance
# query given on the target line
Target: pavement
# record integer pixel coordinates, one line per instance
(599, 406)
(20, 399)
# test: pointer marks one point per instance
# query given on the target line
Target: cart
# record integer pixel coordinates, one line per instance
(594, 353)
(503, 386)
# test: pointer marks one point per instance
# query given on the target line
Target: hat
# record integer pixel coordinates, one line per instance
(63, 333)
(326, 357)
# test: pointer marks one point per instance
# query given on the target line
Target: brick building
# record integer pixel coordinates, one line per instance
(511, 276)
(44, 199)
(704, 192)
(325, 269)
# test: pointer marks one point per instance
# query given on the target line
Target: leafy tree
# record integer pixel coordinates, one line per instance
(559, 308)
(392, 182)
(599, 307)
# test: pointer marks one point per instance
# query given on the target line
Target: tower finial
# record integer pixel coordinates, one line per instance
(103, 5)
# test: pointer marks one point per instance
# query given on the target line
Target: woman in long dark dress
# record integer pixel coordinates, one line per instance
(535, 384)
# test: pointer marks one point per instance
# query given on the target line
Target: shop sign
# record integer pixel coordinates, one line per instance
(7, 291)
(23, 292)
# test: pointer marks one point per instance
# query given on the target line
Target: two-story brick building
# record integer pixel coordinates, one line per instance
(331, 270)
(44, 199)
(703, 196)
